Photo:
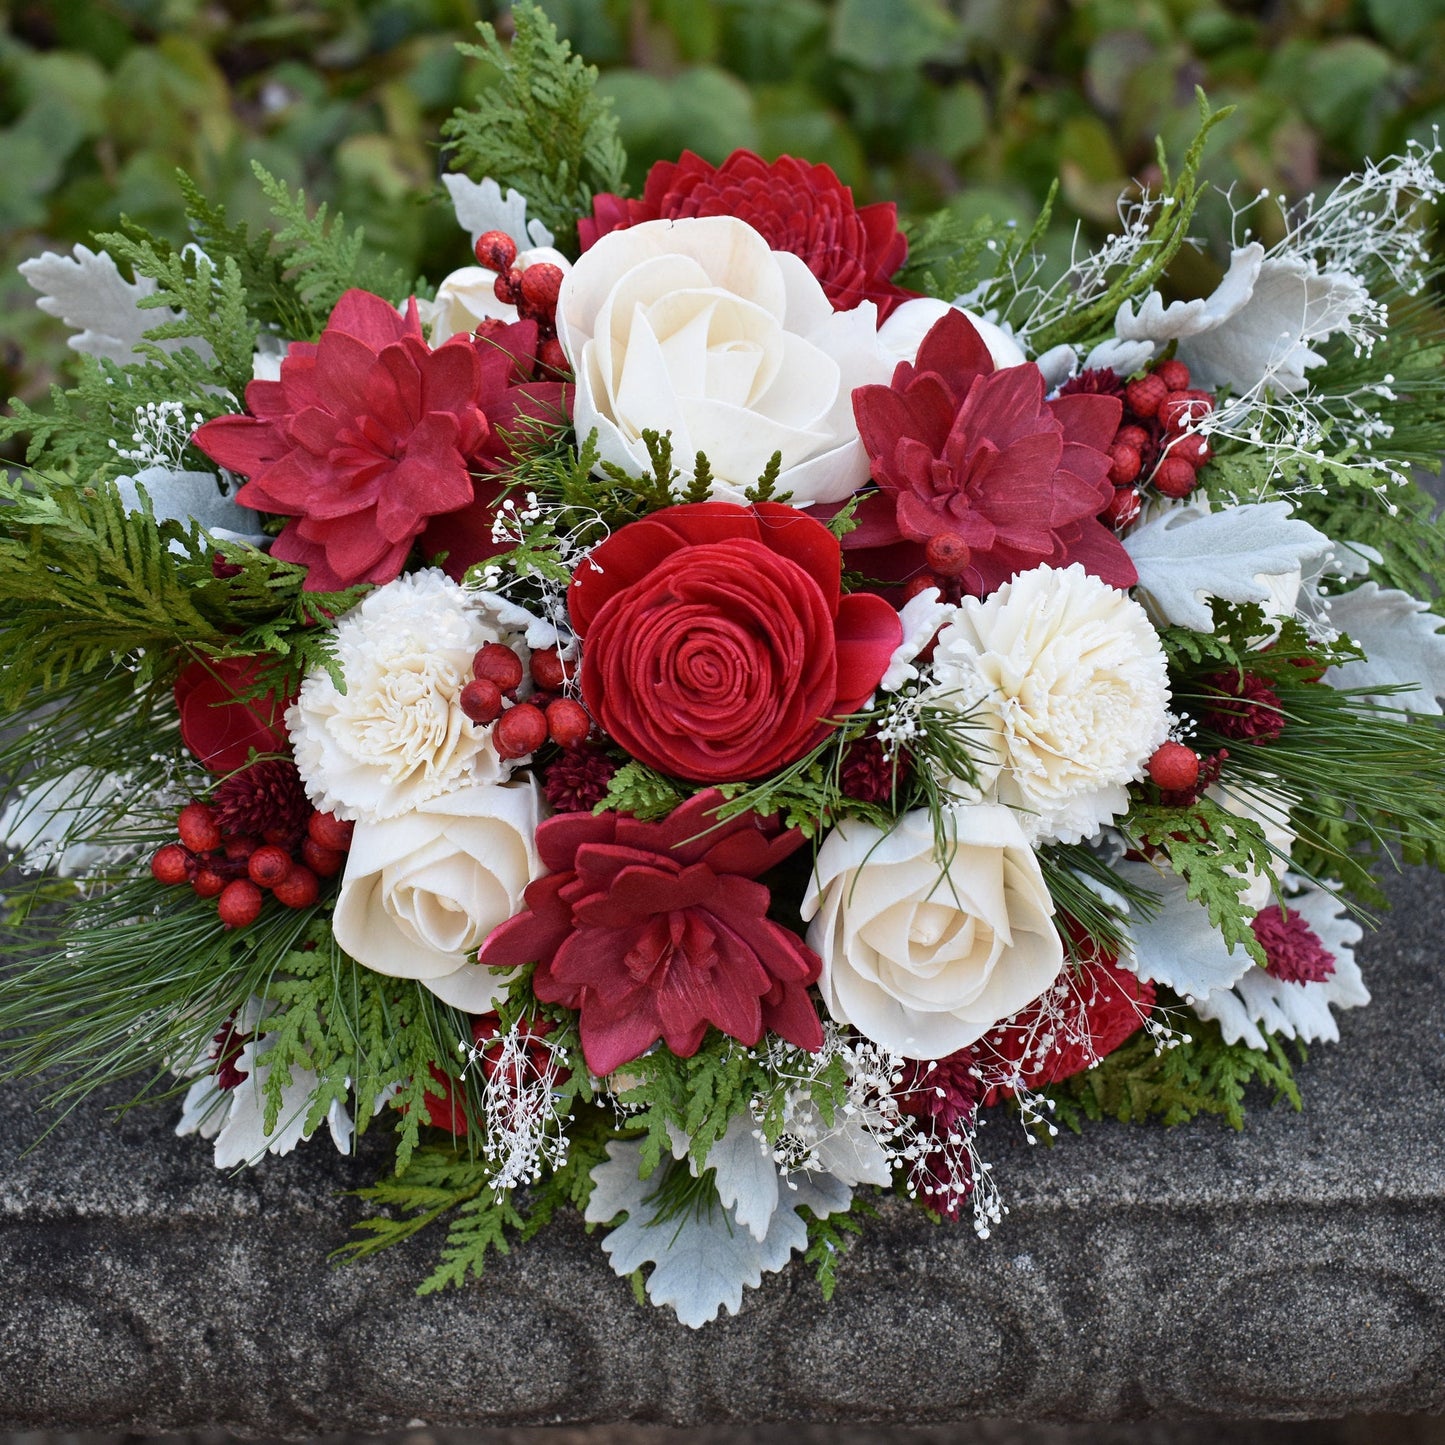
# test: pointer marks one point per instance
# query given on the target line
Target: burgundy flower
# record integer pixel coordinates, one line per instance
(717, 641)
(216, 725)
(658, 931)
(794, 206)
(1242, 707)
(367, 435)
(267, 800)
(1292, 948)
(981, 478)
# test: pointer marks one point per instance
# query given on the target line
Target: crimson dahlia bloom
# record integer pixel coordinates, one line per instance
(659, 930)
(367, 435)
(794, 206)
(974, 460)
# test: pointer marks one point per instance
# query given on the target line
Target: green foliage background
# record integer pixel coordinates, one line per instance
(979, 103)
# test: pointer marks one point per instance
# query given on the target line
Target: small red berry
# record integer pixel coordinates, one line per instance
(496, 250)
(197, 827)
(1194, 449)
(947, 554)
(1143, 396)
(1180, 409)
(1174, 477)
(330, 831)
(239, 848)
(240, 903)
(481, 700)
(324, 862)
(1174, 374)
(1125, 463)
(499, 664)
(519, 731)
(171, 865)
(1123, 507)
(507, 288)
(567, 723)
(921, 582)
(550, 354)
(1174, 768)
(540, 287)
(1131, 436)
(208, 882)
(298, 889)
(268, 866)
(547, 669)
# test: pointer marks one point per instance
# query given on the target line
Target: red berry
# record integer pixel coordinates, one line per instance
(499, 664)
(171, 865)
(1125, 465)
(550, 354)
(1174, 374)
(330, 831)
(324, 862)
(921, 582)
(239, 848)
(567, 723)
(1123, 507)
(1194, 449)
(548, 670)
(240, 903)
(496, 250)
(947, 554)
(197, 827)
(1131, 436)
(222, 569)
(1180, 408)
(298, 889)
(519, 731)
(268, 866)
(540, 286)
(208, 882)
(481, 700)
(1143, 396)
(1174, 477)
(507, 288)
(1174, 768)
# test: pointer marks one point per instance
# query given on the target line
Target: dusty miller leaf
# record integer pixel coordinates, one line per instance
(1401, 644)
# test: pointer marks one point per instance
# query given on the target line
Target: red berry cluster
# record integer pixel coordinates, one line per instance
(1152, 445)
(533, 290)
(520, 728)
(238, 870)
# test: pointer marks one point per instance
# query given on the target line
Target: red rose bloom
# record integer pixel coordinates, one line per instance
(794, 206)
(716, 640)
(216, 725)
(658, 930)
(367, 434)
(975, 462)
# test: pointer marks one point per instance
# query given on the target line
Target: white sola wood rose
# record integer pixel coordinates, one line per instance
(921, 956)
(397, 736)
(421, 892)
(1066, 680)
(696, 327)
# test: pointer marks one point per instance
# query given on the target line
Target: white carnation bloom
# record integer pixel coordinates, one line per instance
(1067, 682)
(397, 737)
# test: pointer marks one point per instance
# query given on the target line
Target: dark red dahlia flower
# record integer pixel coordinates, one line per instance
(979, 476)
(1242, 707)
(717, 641)
(1293, 949)
(794, 206)
(658, 931)
(367, 435)
(216, 725)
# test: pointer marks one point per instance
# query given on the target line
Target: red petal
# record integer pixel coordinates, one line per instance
(371, 321)
(869, 632)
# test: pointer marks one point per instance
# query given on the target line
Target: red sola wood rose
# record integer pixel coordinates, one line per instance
(658, 930)
(369, 434)
(717, 641)
(979, 476)
(794, 206)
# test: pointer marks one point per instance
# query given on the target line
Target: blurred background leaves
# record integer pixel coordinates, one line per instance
(977, 104)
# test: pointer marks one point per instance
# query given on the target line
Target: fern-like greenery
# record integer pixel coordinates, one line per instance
(539, 127)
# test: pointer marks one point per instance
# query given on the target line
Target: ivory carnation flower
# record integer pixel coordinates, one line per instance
(1066, 680)
(924, 956)
(422, 891)
(397, 737)
(697, 328)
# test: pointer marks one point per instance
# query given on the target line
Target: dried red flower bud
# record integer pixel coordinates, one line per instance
(507, 288)
(298, 889)
(240, 848)
(541, 285)
(921, 582)
(567, 723)
(330, 831)
(499, 664)
(1174, 476)
(1174, 767)
(171, 865)
(1181, 408)
(1123, 507)
(1174, 374)
(324, 862)
(947, 554)
(519, 731)
(550, 354)
(548, 670)
(208, 882)
(1132, 436)
(240, 903)
(496, 250)
(481, 700)
(1144, 396)
(198, 829)
(267, 866)
(1126, 463)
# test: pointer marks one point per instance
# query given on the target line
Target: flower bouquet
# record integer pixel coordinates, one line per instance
(698, 712)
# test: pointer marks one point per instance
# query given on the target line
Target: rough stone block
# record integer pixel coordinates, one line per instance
(1297, 1269)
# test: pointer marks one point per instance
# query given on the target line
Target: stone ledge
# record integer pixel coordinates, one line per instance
(1295, 1270)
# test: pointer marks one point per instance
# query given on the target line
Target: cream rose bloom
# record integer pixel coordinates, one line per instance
(421, 892)
(921, 958)
(467, 297)
(397, 737)
(696, 327)
(1067, 682)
